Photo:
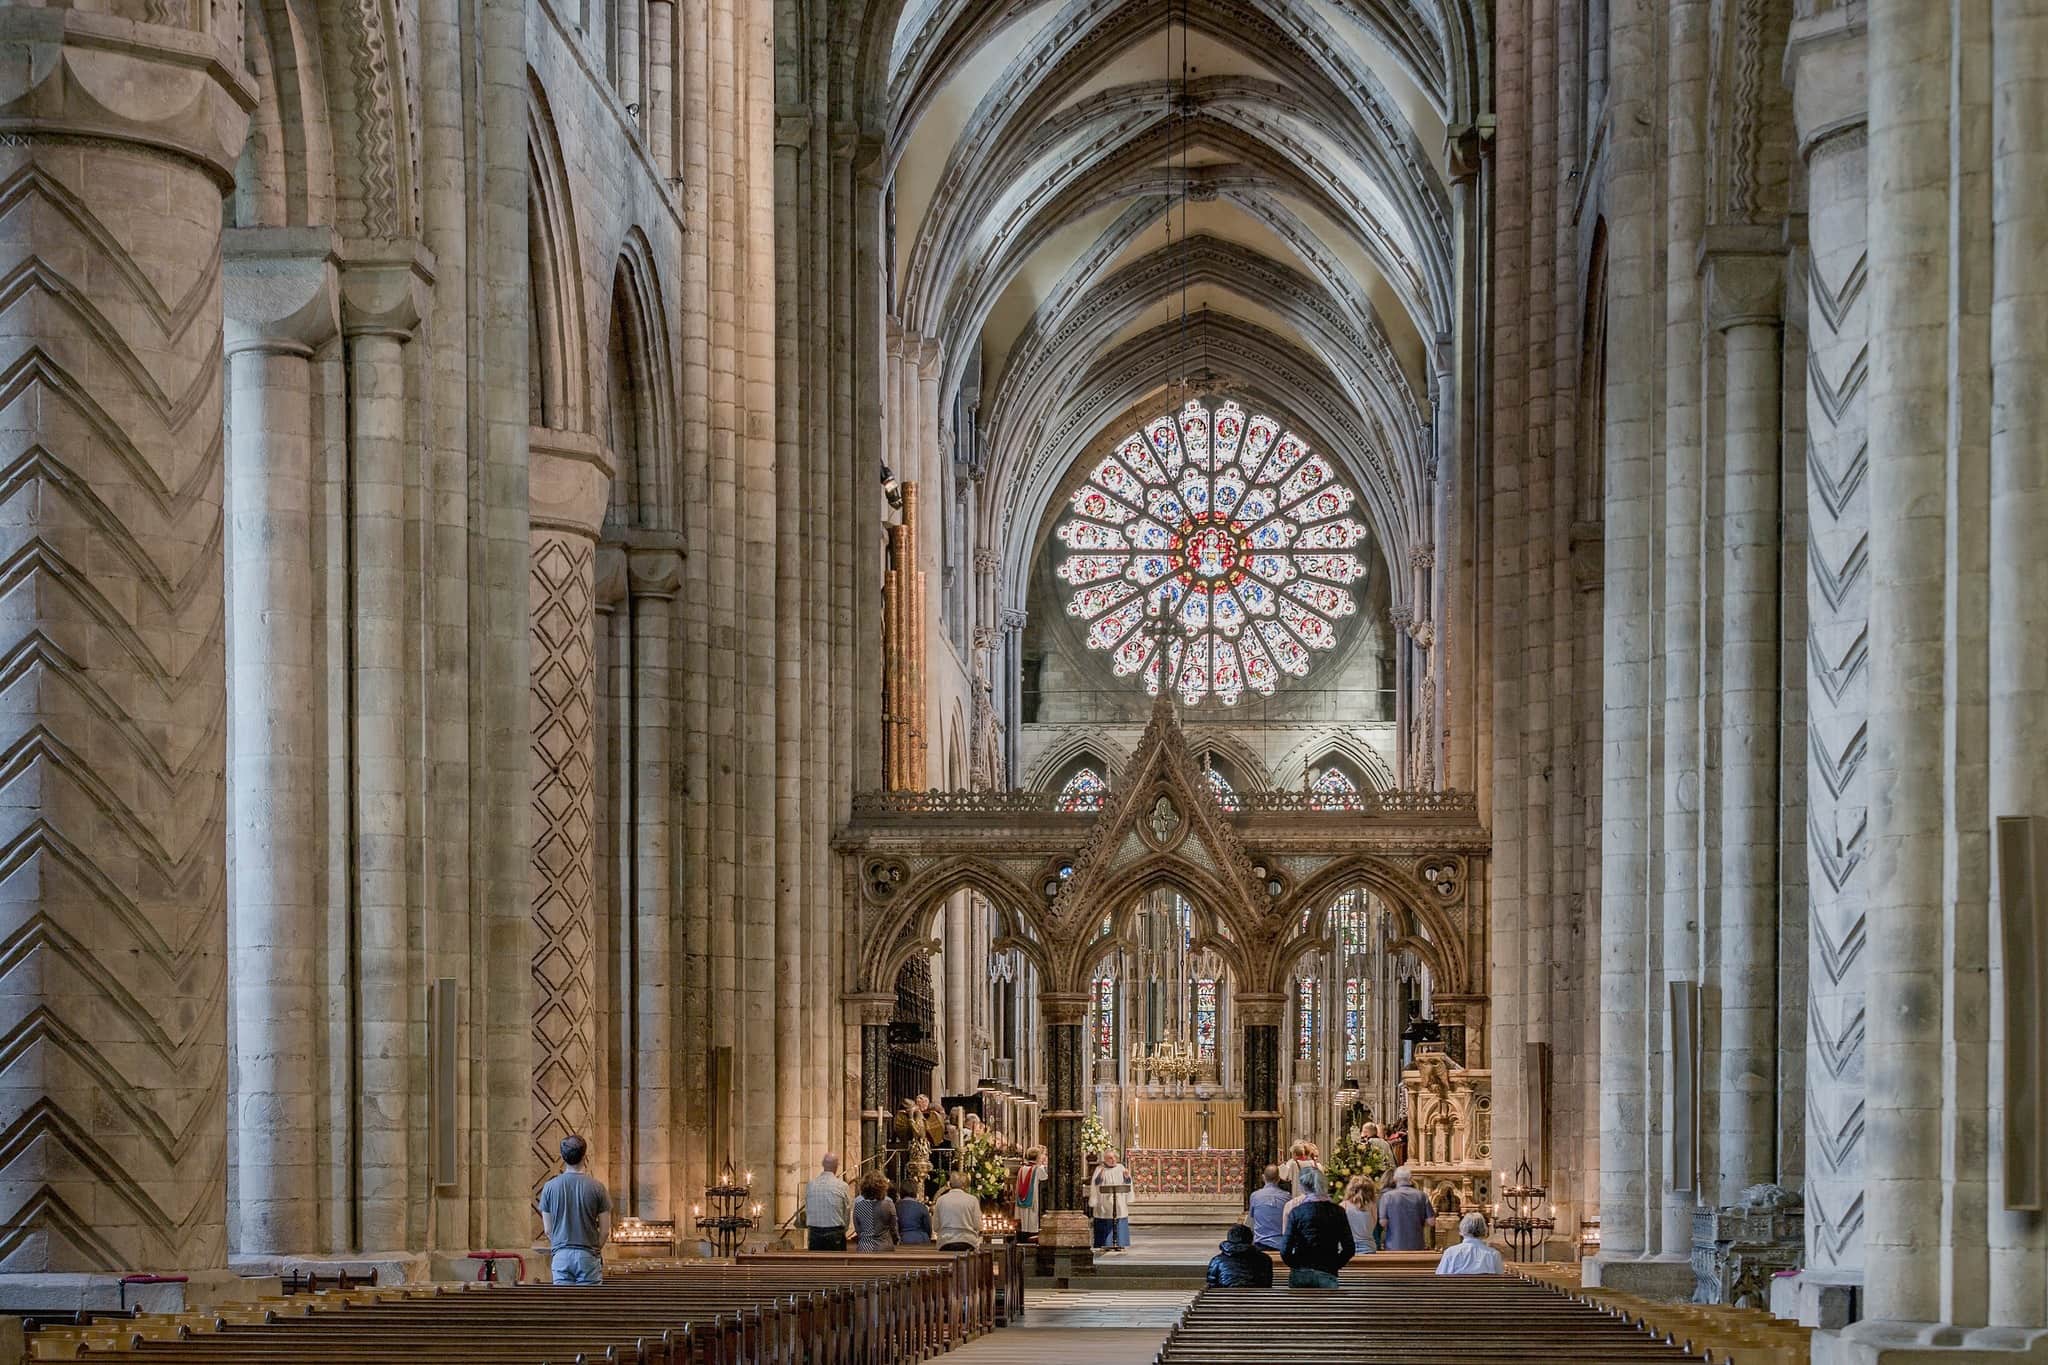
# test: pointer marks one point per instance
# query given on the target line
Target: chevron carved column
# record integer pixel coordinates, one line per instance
(117, 141)
(1828, 88)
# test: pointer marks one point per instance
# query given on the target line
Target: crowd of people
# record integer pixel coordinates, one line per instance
(1293, 1215)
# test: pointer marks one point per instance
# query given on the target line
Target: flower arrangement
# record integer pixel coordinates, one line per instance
(1354, 1156)
(1094, 1137)
(983, 1166)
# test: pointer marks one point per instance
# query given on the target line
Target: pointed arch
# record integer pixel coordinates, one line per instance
(557, 349)
(639, 404)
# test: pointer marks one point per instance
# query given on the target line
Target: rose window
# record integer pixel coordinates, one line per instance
(1225, 540)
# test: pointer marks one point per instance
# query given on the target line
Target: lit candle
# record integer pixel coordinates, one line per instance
(757, 1210)
(696, 1210)
(750, 1177)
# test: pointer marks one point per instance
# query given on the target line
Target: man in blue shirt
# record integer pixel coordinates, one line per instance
(1269, 1209)
(573, 1207)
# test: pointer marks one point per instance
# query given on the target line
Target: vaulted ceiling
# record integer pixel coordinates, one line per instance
(1097, 198)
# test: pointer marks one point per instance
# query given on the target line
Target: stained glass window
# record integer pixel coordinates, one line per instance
(1205, 1017)
(1226, 795)
(1354, 1021)
(1334, 789)
(1105, 1017)
(1351, 925)
(1305, 1016)
(1084, 790)
(1234, 531)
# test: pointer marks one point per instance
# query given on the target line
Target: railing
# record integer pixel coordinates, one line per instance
(1131, 705)
(997, 804)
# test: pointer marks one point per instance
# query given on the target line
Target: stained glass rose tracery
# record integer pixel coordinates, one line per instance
(1235, 531)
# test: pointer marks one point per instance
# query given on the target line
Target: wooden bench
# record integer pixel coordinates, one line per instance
(796, 1310)
(1398, 1315)
(1716, 1332)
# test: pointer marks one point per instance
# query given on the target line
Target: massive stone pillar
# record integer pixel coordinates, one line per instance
(382, 303)
(1908, 406)
(570, 482)
(1826, 59)
(1260, 1016)
(653, 576)
(282, 305)
(120, 138)
(1744, 303)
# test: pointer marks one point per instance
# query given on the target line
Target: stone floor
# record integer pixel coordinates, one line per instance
(1082, 1327)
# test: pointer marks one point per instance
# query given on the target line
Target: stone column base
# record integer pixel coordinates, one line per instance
(1667, 1279)
(1066, 1245)
(1929, 1343)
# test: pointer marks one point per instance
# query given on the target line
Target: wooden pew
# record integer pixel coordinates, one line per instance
(798, 1310)
(1397, 1315)
(1717, 1332)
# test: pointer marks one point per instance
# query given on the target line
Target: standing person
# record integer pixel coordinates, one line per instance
(1375, 1143)
(1268, 1211)
(1406, 1213)
(1358, 1207)
(828, 1206)
(1238, 1264)
(1472, 1255)
(913, 1218)
(573, 1208)
(1031, 1177)
(1110, 1200)
(958, 1214)
(874, 1216)
(1319, 1242)
(1397, 1142)
(1301, 1158)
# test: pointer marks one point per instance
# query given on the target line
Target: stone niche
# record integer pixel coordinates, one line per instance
(1737, 1249)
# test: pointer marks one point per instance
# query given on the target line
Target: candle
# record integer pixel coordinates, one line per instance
(696, 1210)
(750, 1177)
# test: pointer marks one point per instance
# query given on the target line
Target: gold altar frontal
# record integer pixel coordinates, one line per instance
(1176, 1124)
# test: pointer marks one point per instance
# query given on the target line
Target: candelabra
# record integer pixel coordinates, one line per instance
(1173, 1060)
(727, 1224)
(1522, 1213)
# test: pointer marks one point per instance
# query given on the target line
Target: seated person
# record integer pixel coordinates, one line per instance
(1268, 1212)
(1471, 1256)
(1238, 1264)
(913, 1218)
(1319, 1239)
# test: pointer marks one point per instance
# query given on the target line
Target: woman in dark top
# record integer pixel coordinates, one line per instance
(913, 1219)
(874, 1216)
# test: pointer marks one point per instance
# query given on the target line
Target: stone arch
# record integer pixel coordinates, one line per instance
(1211, 934)
(286, 174)
(556, 358)
(639, 388)
(1358, 758)
(370, 99)
(1240, 928)
(1431, 920)
(1057, 764)
(902, 929)
(1243, 767)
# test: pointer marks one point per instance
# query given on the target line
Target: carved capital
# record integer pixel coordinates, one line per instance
(654, 563)
(1466, 148)
(609, 585)
(871, 1009)
(80, 74)
(385, 288)
(1014, 619)
(1827, 68)
(1744, 269)
(1422, 557)
(1061, 1008)
(1400, 617)
(1261, 1011)
(280, 292)
(792, 126)
(986, 560)
(569, 481)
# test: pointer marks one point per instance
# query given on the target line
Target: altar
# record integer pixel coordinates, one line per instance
(1209, 1171)
(1183, 1124)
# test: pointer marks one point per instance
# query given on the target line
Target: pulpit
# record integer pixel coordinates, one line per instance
(1450, 1132)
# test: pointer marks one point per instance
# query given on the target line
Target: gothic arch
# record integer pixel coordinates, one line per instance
(643, 434)
(1053, 767)
(558, 383)
(1430, 916)
(1212, 933)
(902, 929)
(1362, 760)
(286, 175)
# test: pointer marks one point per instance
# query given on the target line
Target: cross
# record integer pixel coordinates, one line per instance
(1204, 1112)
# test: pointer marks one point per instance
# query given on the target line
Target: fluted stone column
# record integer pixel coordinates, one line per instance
(569, 490)
(1826, 59)
(119, 140)
(1260, 1017)
(282, 305)
(1744, 302)
(382, 303)
(653, 576)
